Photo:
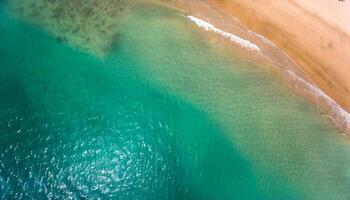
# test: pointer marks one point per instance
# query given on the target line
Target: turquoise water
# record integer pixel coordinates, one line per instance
(164, 116)
(75, 126)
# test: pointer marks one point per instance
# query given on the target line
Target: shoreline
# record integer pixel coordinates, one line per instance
(339, 116)
(292, 73)
(318, 47)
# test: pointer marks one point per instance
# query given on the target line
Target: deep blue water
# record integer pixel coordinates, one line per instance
(75, 126)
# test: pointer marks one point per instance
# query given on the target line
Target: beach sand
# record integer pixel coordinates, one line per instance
(315, 37)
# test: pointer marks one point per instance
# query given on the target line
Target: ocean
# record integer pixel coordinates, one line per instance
(165, 115)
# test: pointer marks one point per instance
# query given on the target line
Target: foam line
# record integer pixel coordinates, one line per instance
(341, 116)
(209, 27)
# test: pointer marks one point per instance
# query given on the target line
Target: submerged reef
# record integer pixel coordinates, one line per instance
(88, 24)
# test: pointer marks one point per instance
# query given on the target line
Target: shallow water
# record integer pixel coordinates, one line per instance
(166, 115)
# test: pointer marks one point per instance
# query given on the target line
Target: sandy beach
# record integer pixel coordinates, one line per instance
(312, 36)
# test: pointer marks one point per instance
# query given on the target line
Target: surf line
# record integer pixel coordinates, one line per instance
(234, 38)
(340, 117)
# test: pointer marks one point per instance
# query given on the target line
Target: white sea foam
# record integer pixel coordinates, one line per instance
(209, 27)
(338, 114)
(341, 116)
(263, 39)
